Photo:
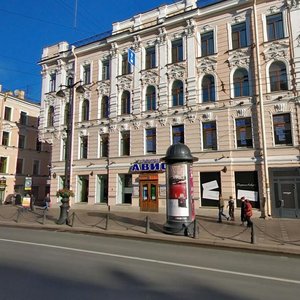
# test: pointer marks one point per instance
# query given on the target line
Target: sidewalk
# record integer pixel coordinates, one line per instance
(270, 235)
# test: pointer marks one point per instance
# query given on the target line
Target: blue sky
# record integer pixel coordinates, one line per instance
(27, 26)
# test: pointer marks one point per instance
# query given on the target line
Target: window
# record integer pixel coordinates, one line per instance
(106, 70)
(151, 98)
(102, 189)
(208, 88)
(151, 140)
(178, 134)
(23, 118)
(52, 83)
(104, 145)
(278, 76)
(239, 36)
(3, 164)
(126, 68)
(7, 113)
(282, 129)
(125, 143)
(177, 51)
(125, 103)
(38, 145)
(243, 132)
(177, 93)
(105, 107)
(85, 110)
(124, 189)
(275, 27)
(207, 43)
(5, 138)
(240, 83)
(209, 135)
(19, 168)
(21, 144)
(150, 58)
(83, 147)
(36, 167)
(50, 122)
(87, 74)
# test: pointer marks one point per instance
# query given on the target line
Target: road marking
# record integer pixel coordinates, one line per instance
(161, 262)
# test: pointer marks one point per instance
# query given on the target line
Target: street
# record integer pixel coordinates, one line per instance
(57, 265)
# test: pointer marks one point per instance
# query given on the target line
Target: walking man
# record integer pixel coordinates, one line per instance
(221, 210)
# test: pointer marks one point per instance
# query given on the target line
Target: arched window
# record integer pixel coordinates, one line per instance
(85, 110)
(278, 76)
(66, 113)
(104, 107)
(150, 98)
(50, 122)
(177, 93)
(125, 103)
(208, 88)
(241, 83)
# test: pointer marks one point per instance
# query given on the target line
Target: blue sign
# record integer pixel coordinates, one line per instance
(131, 57)
(148, 166)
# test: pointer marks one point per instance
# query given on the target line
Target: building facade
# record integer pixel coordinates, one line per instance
(24, 159)
(222, 78)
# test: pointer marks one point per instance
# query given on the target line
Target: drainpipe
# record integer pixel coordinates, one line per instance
(266, 191)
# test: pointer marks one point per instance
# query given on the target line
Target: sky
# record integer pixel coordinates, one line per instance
(27, 26)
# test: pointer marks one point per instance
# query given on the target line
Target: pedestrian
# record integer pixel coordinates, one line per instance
(221, 210)
(47, 201)
(248, 213)
(243, 217)
(32, 200)
(231, 208)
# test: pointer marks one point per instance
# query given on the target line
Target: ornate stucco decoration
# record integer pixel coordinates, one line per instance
(124, 82)
(49, 141)
(239, 19)
(206, 65)
(60, 65)
(280, 107)
(149, 77)
(103, 130)
(83, 132)
(113, 127)
(206, 28)
(207, 116)
(276, 50)
(191, 117)
(239, 58)
(114, 50)
(241, 112)
(190, 27)
(162, 35)
(162, 121)
(136, 124)
(176, 120)
(124, 127)
(149, 124)
(292, 4)
(273, 10)
(50, 99)
(136, 43)
(104, 87)
(176, 71)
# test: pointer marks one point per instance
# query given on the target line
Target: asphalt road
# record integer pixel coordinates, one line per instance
(57, 265)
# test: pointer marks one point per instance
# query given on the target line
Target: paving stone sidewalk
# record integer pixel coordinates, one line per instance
(274, 235)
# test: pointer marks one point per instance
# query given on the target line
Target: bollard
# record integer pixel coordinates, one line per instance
(195, 229)
(147, 225)
(18, 216)
(73, 219)
(252, 234)
(44, 217)
(106, 223)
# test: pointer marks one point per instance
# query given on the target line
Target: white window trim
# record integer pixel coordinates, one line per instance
(206, 29)
(200, 87)
(86, 63)
(235, 133)
(170, 92)
(292, 128)
(232, 85)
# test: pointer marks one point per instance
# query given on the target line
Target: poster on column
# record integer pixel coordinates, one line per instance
(178, 204)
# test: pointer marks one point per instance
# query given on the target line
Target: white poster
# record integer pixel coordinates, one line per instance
(211, 185)
(178, 207)
(250, 195)
(213, 195)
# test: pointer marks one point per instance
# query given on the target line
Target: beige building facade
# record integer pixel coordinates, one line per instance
(23, 157)
(223, 79)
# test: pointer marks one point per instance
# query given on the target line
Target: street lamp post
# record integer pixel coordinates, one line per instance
(64, 208)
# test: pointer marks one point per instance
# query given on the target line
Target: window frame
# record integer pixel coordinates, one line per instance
(150, 57)
(177, 50)
(150, 140)
(237, 33)
(125, 108)
(211, 89)
(125, 143)
(288, 138)
(177, 94)
(104, 145)
(85, 110)
(7, 113)
(178, 134)
(86, 74)
(212, 131)
(105, 69)
(247, 129)
(5, 138)
(52, 82)
(241, 84)
(3, 164)
(207, 43)
(278, 83)
(84, 141)
(150, 103)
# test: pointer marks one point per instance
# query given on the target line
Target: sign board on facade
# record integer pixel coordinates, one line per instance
(148, 165)
(2, 183)
(28, 183)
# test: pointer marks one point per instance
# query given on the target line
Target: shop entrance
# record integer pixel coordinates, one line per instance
(149, 192)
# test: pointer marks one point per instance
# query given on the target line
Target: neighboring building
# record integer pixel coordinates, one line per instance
(21, 153)
(223, 78)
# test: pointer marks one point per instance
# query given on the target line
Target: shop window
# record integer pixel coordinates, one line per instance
(83, 189)
(208, 89)
(278, 76)
(282, 129)
(209, 134)
(177, 93)
(177, 51)
(275, 27)
(178, 134)
(207, 43)
(241, 83)
(239, 35)
(151, 140)
(150, 98)
(243, 132)
(125, 189)
(150, 58)
(102, 189)
(125, 143)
